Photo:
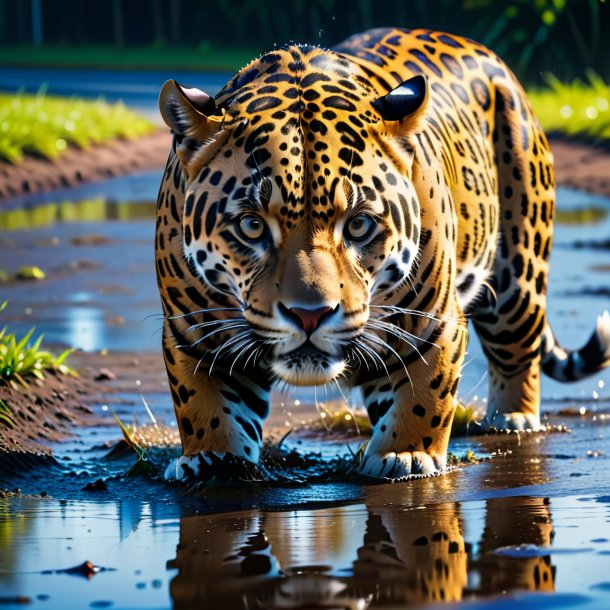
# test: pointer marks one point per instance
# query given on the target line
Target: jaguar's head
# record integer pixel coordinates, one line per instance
(299, 207)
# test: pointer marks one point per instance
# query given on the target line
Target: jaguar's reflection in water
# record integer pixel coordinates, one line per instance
(357, 557)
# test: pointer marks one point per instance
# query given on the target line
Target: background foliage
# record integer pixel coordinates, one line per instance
(534, 36)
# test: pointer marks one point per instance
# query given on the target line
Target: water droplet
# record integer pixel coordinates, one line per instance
(320, 33)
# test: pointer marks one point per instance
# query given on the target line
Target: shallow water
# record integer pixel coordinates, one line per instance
(544, 553)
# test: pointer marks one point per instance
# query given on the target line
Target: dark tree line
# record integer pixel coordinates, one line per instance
(564, 36)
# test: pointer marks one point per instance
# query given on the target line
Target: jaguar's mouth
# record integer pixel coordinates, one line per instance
(307, 365)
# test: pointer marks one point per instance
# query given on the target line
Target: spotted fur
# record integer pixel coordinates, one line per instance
(264, 276)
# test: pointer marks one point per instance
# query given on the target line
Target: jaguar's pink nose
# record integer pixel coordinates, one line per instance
(307, 319)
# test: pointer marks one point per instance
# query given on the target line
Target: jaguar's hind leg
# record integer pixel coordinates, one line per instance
(512, 322)
(219, 416)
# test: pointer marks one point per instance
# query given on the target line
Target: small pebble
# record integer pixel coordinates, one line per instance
(104, 374)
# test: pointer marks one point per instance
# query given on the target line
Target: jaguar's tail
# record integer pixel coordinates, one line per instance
(571, 365)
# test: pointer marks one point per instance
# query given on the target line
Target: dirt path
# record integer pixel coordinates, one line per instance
(580, 166)
(77, 166)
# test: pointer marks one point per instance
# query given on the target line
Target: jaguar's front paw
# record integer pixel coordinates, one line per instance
(211, 467)
(514, 421)
(393, 466)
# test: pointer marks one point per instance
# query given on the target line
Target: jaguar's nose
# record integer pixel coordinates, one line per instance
(307, 319)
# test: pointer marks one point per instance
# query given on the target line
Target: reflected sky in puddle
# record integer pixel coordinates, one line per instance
(365, 555)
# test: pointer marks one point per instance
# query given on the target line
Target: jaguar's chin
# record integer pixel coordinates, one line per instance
(307, 366)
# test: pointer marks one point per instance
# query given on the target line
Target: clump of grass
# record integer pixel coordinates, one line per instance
(5, 413)
(576, 109)
(467, 458)
(141, 465)
(20, 359)
(45, 125)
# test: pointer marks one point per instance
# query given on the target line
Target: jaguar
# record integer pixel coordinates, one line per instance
(336, 216)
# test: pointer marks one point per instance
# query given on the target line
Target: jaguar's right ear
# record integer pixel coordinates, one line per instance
(192, 115)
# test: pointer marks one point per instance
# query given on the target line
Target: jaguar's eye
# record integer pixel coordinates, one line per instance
(359, 228)
(251, 227)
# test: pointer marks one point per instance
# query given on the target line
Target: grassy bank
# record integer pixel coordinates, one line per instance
(45, 125)
(579, 109)
(202, 58)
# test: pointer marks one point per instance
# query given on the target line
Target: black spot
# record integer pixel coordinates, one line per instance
(435, 422)
(436, 382)
(214, 423)
(481, 93)
(427, 441)
(184, 394)
(460, 92)
(263, 103)
(450, 41)
(452, 65)
(187, 427)
(518, 265)
(421, 56)
(188, 204)
(340, 103)
(310, 79)
(210, 219)
(215, 178)
(419, 410)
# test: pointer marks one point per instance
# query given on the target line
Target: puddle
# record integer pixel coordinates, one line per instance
(367, 554)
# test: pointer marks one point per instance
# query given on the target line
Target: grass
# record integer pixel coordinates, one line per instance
(5, 413)
(204, 57)
(21, 359)
(45, 125)
(579, 109)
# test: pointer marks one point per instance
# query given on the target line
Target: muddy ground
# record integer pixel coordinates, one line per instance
(77, 166)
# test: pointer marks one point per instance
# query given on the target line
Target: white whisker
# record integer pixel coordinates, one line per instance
(192, 313)
(376, 339)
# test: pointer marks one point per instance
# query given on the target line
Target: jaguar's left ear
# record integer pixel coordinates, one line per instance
(192, 115)
(406, 100)
(186, 110)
